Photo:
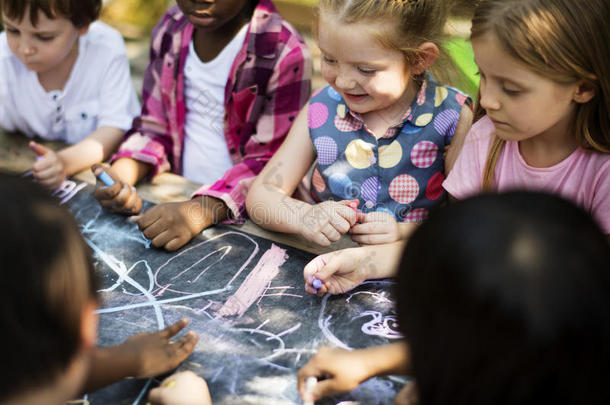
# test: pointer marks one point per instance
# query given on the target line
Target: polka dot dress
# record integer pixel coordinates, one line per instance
(401, 173)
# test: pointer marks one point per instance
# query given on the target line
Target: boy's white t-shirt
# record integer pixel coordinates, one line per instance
(205, 156)
(98, 93)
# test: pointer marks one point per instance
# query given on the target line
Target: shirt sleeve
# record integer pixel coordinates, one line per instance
(600, 207)
(118, 100)
(288, 91)
(149, 140)
(6, 123)
(466, 177)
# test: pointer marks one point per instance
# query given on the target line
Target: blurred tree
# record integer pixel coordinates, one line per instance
(134, 18)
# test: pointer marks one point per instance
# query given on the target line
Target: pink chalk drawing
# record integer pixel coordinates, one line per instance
(256, 283)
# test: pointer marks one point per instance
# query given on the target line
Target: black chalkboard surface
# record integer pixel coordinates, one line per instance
(245, 298)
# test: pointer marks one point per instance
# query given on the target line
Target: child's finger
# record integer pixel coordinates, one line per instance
(107, 193)
(348, 213)
(325, 388)
(38, 149)
(155, 229)
(185, 345)
(174, 328)
(149, 217)
(175, 244)
(362, 228)
(133, 203)
(330, 232)
(314, 266)
(157, 395)
(333, 264)
(373, 239)
(162, 238)
(320, 239)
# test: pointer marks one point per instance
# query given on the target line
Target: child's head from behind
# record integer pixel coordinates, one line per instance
(372, 49)
(561, 45)
(504, 300)
(44, 33)
(47, 293)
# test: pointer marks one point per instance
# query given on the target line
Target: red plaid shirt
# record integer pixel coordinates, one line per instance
(269, 82)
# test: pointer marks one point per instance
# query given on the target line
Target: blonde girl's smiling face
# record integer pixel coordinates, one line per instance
(369, 76)
(521, 103)
(46, 46)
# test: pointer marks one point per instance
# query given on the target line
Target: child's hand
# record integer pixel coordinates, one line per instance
(120, 197)
(155, 354)
(184, 388)
(324, 223)
(337, 370)
(375, 228)
(49, 169)
(173, 225)
(339, 272)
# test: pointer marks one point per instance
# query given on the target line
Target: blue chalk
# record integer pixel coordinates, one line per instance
(106, 179)
(317, 283)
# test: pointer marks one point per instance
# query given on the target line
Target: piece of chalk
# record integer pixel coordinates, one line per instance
(169, 384)
(105, 178)
(310, 385)
(317, 283)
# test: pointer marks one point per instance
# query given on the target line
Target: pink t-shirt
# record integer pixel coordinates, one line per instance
(583, 177)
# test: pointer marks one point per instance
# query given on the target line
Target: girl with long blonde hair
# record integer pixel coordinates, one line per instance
(544, 109)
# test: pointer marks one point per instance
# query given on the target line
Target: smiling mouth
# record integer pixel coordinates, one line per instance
(355, 96)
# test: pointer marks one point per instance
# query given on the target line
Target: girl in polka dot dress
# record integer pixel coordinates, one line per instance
(378, 131)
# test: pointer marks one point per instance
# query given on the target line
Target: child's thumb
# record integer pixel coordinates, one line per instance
(97, 169)
(38, 149)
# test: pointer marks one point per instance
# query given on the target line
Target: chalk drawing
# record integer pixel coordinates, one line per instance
(255, 283)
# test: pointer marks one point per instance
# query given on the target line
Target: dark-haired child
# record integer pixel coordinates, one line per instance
(225, 81)
(513, 312)
(65, 78)
(47, 308)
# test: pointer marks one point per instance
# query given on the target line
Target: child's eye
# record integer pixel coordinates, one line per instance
(511, 92)
(366, 71)
(12, 31)
(44, 37)
(326, 59)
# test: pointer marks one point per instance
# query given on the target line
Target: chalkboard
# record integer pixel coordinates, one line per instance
(245, 298)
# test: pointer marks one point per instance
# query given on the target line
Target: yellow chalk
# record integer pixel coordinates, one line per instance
(169, 384)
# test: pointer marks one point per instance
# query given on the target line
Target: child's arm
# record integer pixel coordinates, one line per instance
(184, 388)
(52, 168)
(269, 202)
(141, 356)
(340, 370)
(343, 270)
(459, 136)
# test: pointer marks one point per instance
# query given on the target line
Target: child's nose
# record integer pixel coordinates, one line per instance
(27, 48)
(489, 99)
(344, 81)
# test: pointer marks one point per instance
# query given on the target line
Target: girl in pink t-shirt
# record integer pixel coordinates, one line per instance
(545, 84)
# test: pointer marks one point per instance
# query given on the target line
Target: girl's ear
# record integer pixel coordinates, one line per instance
(428, 53)
(584, 92)
(89, 325)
